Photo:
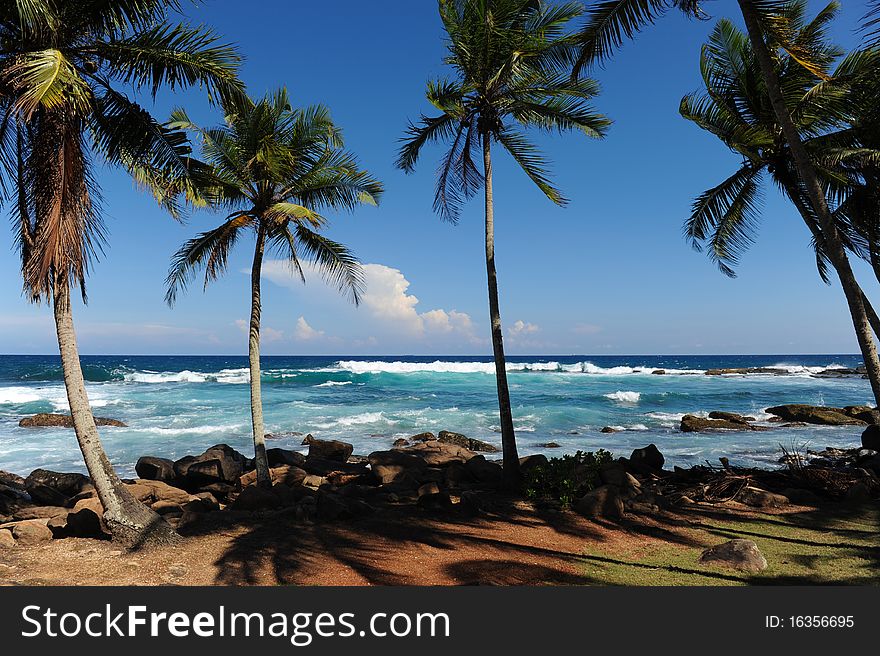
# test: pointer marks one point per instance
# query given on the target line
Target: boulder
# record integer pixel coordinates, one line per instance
(55, 489)
(155, 469)
(742, 555)
(428, 488)
(456, 475)
(219, 464)
(7, 541)
(470, 443)
(31, 531)
(439, 502)
(609, 429)
(812, 414)
(313, 481)
(730, 416)
(423, 437)
(388, 466)
(551, 445)
(160, 491)
(865, 413)
(324, 467)
(285, 475)
(485, 472)
(86, 523)
(659, 372)
(39, 512)
(871, 437)
(528, 463)
(278, 457)
(328, 449)
(602, 503)
(754, 496)
(694, 424)
(44, 420)
(401, 442)
(439, 454)
(255, 498)
(648, 456)
(330, 507)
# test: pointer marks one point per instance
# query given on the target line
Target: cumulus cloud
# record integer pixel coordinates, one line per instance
(304, 332)
(520, 328)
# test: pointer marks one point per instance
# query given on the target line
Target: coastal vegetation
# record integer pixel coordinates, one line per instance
(799, 111)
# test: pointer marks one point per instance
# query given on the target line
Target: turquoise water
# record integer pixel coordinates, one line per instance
(179, 405)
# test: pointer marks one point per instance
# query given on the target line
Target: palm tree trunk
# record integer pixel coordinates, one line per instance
(131, 523)
(264, 478)
(807, 174)
(508, 438)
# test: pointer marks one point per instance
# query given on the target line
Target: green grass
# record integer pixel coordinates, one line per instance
(829, 546)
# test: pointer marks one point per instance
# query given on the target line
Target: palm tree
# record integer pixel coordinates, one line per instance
(274, 169)
(61, 62)
(510, 59)
(736, 109)
(610, 22)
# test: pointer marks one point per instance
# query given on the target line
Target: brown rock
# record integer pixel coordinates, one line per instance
(439, 454)
(812, 414)
(730, 416)
(31, 531)
(255, 498)
(155, 469)
(602, 503)
(423, 437)
(39, 512)
(742, 555)
(754, 496)
(44, 420)
(53, 488)
(163, 492)
(328, 449)
(485, 472)
(470, 443)
(694, 424)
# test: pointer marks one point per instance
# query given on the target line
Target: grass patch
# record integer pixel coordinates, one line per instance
(831, 546)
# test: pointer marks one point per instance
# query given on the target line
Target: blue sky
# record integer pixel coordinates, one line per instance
(608, 274)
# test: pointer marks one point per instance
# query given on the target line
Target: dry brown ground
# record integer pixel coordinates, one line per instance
(516, 545)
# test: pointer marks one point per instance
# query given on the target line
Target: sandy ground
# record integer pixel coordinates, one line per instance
(518, 545)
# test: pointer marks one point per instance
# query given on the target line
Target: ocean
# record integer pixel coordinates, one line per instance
(178, 405)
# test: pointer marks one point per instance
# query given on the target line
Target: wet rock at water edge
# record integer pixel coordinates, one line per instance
(44, 420)
(328, 449)
(470, 443)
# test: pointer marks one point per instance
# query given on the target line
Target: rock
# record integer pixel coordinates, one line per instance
(747, 370)
(857, 494)
(439, 454)
(694, 424)
(812, 414)
(456, 475)
(401, 442)
(659, 372)
(10, 480)
(865, 413)
(602, 503)
(7, 541)
(871, 437)
(55, 489)
(758, 498)
(423, 437)
(801, 497)
(39, 512)
(313, 481)
(219, 464)
(167, 508)
(155, 469)
(85, 523)
(160, 491)
(528, 463)
(551, 445)
(285, 474)
(649, 456)
(330, 507)
(43, 420)
(388, 466)
(615, 473)
(485, 472)
(255, 498)
(439, 502)
(472, 502)
(31, 531)
(277, 457)
(730, 416)
(281, 436)
(742, 555)
(609, 429)
(328, 449)
(465, 442)
(428, 488)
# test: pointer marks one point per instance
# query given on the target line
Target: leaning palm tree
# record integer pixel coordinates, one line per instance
(611, 22)
(62, 65)
(510, 60)
(274, 169)
(736, 109)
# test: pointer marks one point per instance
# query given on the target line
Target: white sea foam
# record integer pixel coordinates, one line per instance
(191, 430)
(228, 376)
(333, 383)
(18, 395)
(624, 397)
(440, 366)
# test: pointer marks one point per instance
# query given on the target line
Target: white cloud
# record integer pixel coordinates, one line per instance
(304, 332)
(521, 328)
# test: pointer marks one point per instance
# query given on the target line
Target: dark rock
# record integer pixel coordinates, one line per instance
(388, 466)
(281, 436)
(694, 424)
(255, 498)
(401, 442)
(456, 475)
(871, 437)
(324, 467)
(85, 523)
(747, 370)
(423, 437)
(472, 502)
(609, 429)
(439, 454)
(485, 472)
(551, 445)
(730, 416)
(278, 457)
(801, 497)
(528, 463)
(43, 420)
(328, 449)
(659, 372)
(602, 503)
(754, 496)
(155, 469)
(865, 413)
(221, 464)
(283, 474)
(55, 489)
(331, 507)
(812, 414)
(465, 442)
(439, 502)
(742, 555)
(428, 488)
(649, 456)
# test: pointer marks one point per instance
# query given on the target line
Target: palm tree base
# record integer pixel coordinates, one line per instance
(138, 527)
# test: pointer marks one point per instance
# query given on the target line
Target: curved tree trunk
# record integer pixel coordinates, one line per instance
(508, 438)
(264, 479)
(807, 174)
(131, 523)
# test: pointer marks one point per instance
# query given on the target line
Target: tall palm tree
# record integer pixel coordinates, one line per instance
(62, 63)
(610, 22)
(274, 168)
(735, 108)
(510, 59)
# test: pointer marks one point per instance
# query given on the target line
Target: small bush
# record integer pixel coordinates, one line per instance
(567, 478)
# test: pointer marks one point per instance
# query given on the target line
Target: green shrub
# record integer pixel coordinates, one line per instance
(567, 478)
